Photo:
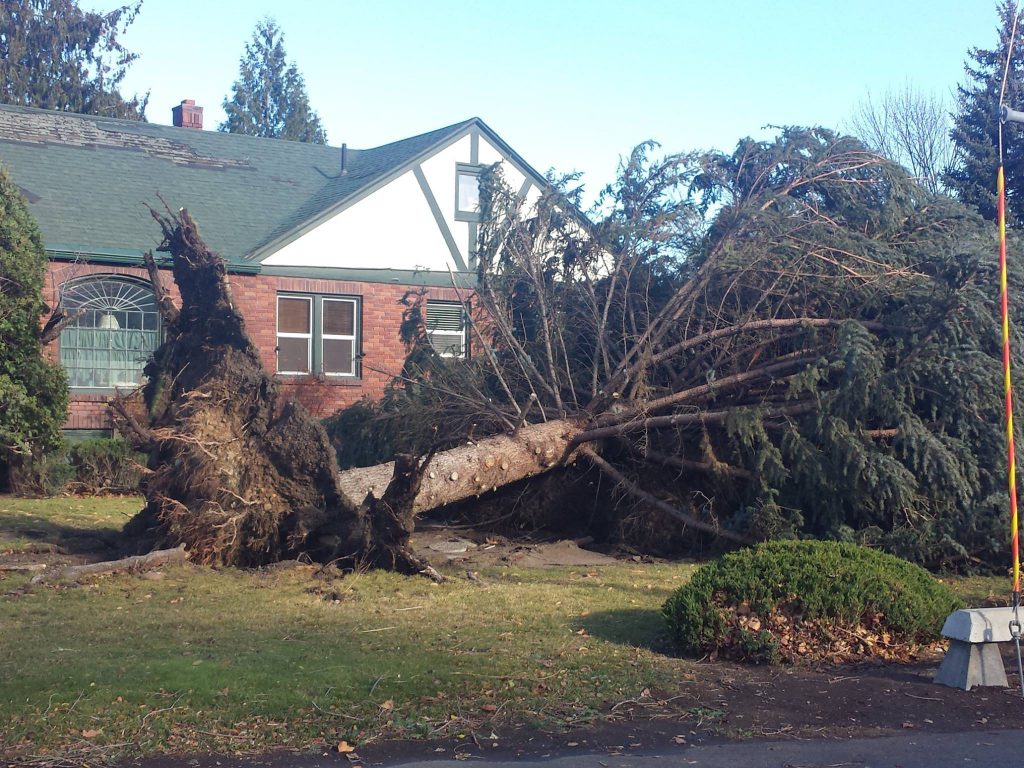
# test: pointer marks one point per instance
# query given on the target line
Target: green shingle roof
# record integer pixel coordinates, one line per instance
(88, 180)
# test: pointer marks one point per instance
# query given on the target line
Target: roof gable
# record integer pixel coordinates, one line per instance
(88, 180)
(378, 168)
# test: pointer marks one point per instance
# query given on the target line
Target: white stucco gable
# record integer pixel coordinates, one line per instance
(410, 222)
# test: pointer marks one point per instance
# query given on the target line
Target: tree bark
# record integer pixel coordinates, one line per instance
(473, 469)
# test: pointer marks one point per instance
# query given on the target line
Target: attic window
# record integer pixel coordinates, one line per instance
(467, 192)
(446, 328)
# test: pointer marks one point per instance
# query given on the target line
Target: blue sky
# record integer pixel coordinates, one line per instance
(570, 85)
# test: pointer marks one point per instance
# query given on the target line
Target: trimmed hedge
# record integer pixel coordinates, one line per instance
(94, 466)
(105, 465)
(783, 600)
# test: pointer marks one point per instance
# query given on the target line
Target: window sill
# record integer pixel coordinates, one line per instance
(104, 392)
(319, 379)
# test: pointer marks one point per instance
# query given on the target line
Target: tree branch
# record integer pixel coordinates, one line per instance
(654, 501)
(59, 320)
(757, 325)
(684, 419)
(144, 438)
(137, 563)
(699, 466)
(716, 386)
(164, 303)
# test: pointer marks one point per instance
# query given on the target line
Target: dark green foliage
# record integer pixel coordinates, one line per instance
(904, 444)
(94, 466)
(807, 582)
(33, 391)
(38, 475)
(55, 55)
(269, 97)
(104, 465)
(361, 435)
(976, 124)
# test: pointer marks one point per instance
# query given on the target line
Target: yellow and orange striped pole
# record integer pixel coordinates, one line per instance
(1008, 386)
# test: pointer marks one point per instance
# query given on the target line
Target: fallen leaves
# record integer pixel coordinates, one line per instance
(780, 636)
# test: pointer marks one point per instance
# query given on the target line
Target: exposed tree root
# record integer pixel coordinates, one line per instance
(136, 564)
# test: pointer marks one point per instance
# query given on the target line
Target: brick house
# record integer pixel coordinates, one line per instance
(321, 242)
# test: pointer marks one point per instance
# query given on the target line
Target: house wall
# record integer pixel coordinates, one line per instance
(255, 296)
(369, 234)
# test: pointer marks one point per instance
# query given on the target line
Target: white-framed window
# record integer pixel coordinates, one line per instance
(467, 192)
(116, 330)
(339, 321)
(294, 334)
(446, 326)
(317, 334)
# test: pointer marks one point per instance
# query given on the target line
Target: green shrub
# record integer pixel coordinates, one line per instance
(33, 389)
(786, 600)
(105, 465)
(98, 465)
(40, 475)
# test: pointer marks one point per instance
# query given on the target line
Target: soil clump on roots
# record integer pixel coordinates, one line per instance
(236, 477)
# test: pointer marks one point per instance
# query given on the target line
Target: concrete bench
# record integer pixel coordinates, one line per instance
(973, 657)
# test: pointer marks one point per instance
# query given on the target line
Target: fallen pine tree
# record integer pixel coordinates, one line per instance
(794, 339)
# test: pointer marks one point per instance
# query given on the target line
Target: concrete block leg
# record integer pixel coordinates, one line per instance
(969, 664)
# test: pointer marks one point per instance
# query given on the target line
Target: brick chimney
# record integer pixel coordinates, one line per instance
(188, 115)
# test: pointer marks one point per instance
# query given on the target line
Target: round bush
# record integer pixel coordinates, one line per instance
(792, 600)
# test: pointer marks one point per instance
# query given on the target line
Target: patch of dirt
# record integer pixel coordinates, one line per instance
(713, 702)
(468, 548)
(827, 701)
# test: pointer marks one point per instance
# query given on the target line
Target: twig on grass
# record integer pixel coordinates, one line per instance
(375, 684)
(921, 698)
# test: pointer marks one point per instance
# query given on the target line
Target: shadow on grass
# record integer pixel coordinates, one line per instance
(635, 627)
(47, 535)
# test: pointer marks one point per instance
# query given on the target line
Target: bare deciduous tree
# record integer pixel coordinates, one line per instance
(910, 127)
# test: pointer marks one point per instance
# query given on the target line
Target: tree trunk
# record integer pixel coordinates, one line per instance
(476, 468)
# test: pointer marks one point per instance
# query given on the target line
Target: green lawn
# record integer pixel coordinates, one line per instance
(68, 522)
(226, 660)
(235, 660)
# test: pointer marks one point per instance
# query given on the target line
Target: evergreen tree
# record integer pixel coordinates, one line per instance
(54, 55)
(976, 125)
(33, 390)
(796, 334)
(270, 96)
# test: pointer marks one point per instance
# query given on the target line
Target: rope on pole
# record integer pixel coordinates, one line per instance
(1006, 114)
(1008, 383)
(1015, 624)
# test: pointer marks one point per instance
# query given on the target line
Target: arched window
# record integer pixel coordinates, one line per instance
(117, 330)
